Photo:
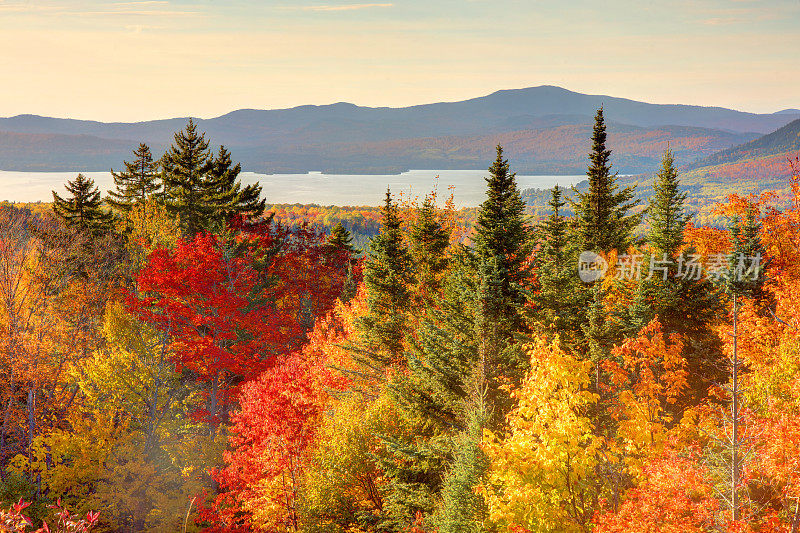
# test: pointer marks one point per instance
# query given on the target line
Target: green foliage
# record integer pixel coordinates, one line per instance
(681, 302)
(340, 238)
(560, 301)
(462, 510)
(744, 276)
(602, 220)
(503, 238)
(388, 272)
(428, 242)
(137, 183)
(83, 209)
(186, 165)
(224, 195)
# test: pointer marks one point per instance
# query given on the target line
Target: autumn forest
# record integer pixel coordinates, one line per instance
(181, 356)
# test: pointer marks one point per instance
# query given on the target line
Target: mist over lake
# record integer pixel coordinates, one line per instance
(468, 186)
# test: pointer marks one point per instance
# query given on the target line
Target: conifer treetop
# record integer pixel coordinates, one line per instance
(83, 209)
(602, 212)
(138, 182)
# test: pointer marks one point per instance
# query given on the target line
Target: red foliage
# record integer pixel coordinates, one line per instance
(234, 307)
(675, 498)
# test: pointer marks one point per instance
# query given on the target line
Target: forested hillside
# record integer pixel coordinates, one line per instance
(542, 128)
(181, 356)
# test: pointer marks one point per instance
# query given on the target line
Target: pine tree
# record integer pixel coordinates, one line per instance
(185, 166)
(341, 241)
(668, 217)
(428, 242)
(83, 209)
(387, 276)
(138, 182)
(503, 238)
(602, 219)
(224, 194)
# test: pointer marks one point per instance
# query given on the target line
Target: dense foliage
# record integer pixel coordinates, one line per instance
(181, 361)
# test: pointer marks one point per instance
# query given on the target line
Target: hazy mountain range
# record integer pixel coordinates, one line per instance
(544, 129)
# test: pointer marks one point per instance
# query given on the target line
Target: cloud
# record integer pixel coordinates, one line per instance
(347, 7)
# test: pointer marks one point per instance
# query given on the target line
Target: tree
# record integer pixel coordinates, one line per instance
(541, 468)
(341, 239)
(676, 496)
(224, 193)
(502, 238)
(82, 210)
(602, 220)
(387, 276)
(740, 282)
(557, 300)
(428, 242)
(185, 167)
(137, 183)
(682, 302)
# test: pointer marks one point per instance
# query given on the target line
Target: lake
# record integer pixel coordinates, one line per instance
(311, 188)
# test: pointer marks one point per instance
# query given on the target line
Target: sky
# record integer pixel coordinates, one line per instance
(149, 59)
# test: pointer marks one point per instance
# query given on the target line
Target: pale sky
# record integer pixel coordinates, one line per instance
(147, 59)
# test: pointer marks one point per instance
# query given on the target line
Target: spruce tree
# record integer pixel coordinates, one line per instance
(387, 275)
(224, 194)
(744, 276)
(602, 219)
(428, 242)
(138, 182)
(557, 305)
(83, 209)
(185, 167)
(682, 303)
(503, 238)
(341, 242)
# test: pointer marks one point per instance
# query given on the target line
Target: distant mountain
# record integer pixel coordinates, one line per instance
(788, 112)
(783, 141)
(348, 138)
(45, 152)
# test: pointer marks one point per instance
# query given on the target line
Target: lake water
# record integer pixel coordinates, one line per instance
(312, 188)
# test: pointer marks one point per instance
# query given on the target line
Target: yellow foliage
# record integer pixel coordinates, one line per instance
(540, 470)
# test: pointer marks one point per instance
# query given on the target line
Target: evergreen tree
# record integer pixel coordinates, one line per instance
(503, 238)
(668, 218)
(224, 194)
(341, 239)
(557, 304)
(185, 167)
(744, 276)
(138, 182)
(428, 242)
(602, 220)
(387, 276)
(670, 291)
(83, 209)
(461, 509)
